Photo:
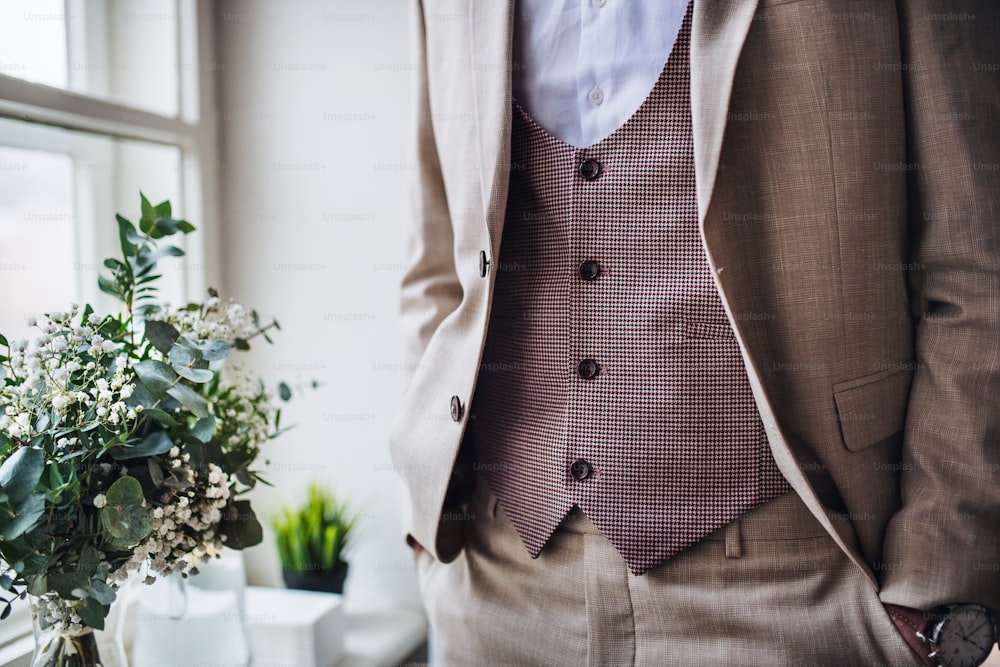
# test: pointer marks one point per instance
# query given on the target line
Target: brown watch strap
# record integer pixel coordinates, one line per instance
(913, 624)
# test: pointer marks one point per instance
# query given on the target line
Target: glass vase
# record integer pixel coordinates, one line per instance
(85, 648)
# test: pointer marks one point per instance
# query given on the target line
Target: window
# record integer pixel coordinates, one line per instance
(98, 98)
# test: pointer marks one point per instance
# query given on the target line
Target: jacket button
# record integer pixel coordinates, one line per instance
(456, 409)
(590, 169)
(588, 369)
(484, 263)
(590, 269)
(580, 470)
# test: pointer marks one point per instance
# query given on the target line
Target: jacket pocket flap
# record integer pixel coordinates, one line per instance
(873, 407)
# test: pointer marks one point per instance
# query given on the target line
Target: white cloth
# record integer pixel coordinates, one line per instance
(582, 67)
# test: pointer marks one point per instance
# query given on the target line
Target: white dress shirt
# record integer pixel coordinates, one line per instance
(582, 67)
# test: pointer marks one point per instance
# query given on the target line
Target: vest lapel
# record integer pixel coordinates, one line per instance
(492, 35)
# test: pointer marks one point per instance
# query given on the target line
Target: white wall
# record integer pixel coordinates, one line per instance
(314, 97)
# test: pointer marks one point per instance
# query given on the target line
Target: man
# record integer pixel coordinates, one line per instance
(720, 386)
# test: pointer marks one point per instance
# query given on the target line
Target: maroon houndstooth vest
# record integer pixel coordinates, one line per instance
(611, 377)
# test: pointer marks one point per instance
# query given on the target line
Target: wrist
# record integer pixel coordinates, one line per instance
(951, 635)
(913, 625)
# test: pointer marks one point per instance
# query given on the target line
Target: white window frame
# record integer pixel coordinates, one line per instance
(193, 130)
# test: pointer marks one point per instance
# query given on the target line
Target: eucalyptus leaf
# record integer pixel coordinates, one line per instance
(284, 391)
(124, 228)
(152, 445)
(240, 526)
(163, 210)
(155, 472)
(101, 592)
(183, 354)
(148, 218)
(150, 257)
(90, 558)
(138, 239)
(161, 334)
(38, 586)
(92, 613)
(65, 583)
(161, 417)
(204, 429)
(108, 286)
(25, 518)
(168, 226)
(244, 477)
(197, 375)
(156, 375)
(214, 350)
(124, 520)
(55, 476)
(141, 395)
(21, 471)
(190, 399)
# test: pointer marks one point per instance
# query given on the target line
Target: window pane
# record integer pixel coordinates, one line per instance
(134, 61)
(33, 40)
(59, 192)
(121, 50)
(37, 237)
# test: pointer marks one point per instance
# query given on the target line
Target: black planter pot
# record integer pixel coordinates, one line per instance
(331, 581)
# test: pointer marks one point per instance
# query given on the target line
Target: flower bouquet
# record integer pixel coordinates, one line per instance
(125, 443)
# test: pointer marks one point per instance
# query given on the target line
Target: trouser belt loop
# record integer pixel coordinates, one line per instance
(734, 543)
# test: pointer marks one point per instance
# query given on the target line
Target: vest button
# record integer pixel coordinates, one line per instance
(484, 263)
(580, 470)
(456, 409)
(590, 269)
(588, 369)
(590, 169)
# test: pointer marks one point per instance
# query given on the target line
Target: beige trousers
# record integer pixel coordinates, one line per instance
(771, 588)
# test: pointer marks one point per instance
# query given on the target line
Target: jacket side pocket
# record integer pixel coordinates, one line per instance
(873, 407)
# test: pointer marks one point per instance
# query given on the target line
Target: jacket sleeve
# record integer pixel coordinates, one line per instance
(430, 287)
(943, 546)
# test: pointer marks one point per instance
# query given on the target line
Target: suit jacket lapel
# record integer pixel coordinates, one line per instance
(718, 31)
(492, 35)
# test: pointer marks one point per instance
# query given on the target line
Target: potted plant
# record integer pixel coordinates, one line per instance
(311, 540)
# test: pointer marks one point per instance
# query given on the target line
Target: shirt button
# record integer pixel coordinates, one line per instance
(456, 409)
(590, 169)
(596, 96)
(590, 269)
(580, 470)
(598, 3)
(588, 369)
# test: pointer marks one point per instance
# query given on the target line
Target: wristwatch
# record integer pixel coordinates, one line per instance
(961, 635)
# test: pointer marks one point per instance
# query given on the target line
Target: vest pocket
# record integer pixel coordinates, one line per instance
(873, 407)
(701, 329)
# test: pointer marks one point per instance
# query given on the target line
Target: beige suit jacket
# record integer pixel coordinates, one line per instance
(848, 189)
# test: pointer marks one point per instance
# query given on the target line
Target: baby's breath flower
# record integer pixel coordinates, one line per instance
(74, 389)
